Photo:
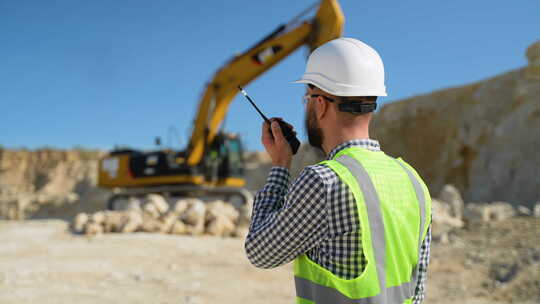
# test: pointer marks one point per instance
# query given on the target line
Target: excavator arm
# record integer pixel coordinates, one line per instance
(326, 25)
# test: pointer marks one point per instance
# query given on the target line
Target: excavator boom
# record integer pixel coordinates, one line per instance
(326, 25)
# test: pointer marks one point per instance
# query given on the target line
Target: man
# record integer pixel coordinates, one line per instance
(357, 224)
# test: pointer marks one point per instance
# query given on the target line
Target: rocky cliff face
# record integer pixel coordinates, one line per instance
(484, 137)
(47, 183)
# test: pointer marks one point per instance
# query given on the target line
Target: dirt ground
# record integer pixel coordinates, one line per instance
(41, 261)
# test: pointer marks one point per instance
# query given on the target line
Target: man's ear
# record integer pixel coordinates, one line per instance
(321, 107)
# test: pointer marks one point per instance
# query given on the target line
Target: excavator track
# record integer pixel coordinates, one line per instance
(236, 196)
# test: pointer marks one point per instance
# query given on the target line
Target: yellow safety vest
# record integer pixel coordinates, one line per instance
(394, 208)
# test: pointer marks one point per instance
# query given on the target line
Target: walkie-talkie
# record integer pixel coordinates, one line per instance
(285, 129)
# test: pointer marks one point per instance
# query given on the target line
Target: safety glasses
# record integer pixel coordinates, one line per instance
(307, 97)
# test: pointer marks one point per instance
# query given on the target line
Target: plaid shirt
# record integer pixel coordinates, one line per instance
(317, 215)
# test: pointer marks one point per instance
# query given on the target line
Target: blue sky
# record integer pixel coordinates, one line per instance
(104, 73)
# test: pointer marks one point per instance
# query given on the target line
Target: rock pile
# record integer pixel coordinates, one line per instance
(177, 216)
(449, 213)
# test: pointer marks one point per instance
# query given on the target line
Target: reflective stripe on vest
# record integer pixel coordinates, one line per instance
(317, 293)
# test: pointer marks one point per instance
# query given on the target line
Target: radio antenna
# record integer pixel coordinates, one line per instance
(253, 104)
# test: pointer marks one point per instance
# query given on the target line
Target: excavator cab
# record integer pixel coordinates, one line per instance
(223, 161)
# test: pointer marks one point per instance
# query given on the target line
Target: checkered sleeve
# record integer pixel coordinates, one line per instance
(423, 262)
(286, 222)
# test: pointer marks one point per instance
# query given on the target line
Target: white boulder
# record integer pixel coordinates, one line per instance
(93, 229)
(178, 227)
(155, 204)
(98, 217)
(496, 211)
(132, 221)
(536, 211)
(451, 196)
(195, 213)
(219, 208)
(79, 222)
(220, 225)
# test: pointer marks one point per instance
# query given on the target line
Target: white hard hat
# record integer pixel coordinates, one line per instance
(346, 67)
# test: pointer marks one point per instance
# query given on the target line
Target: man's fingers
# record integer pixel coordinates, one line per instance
(266, 135)
(276, 131)
(281, 119)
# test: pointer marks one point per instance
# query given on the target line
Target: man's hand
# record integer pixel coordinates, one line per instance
(276, 145)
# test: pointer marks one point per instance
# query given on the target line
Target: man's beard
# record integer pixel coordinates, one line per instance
(314, 133)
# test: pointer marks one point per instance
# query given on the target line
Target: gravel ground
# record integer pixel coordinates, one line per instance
(42, 262)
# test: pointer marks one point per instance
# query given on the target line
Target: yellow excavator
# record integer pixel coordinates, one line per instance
(212, 163)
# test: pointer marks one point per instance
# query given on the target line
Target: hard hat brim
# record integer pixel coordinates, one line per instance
(339, 89)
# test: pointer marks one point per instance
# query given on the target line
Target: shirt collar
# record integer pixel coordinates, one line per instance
(366, 143)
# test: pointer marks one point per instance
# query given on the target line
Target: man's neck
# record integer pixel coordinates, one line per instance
(335, 141)
(335, 132)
